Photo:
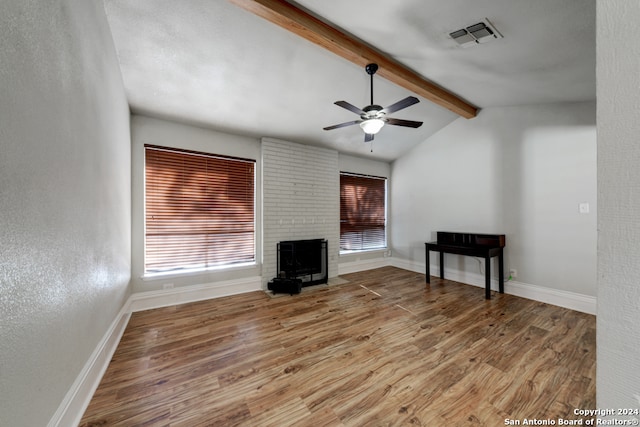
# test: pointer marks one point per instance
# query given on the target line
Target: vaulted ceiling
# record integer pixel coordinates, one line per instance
(212, 63)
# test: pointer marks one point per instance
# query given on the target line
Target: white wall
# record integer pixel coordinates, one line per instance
(146, 130)
(520, 171)
(618, 91)
(363, 166)
(65, 199)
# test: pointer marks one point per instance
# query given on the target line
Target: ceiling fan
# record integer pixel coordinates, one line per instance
(373, 117)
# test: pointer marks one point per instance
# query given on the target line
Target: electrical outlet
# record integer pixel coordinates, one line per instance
(167, 286)
(583, 208)
(513, 273)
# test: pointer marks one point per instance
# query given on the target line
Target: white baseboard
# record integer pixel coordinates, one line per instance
(79, 396)
(77, 399)
(167, 297)
(566, 299)
(362, 265)
(574, 301)
(408, 265)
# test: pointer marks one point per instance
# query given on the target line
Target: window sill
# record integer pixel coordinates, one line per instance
(363, 251)
(197, 271)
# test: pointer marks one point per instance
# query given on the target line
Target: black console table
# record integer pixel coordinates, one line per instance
(471, 244)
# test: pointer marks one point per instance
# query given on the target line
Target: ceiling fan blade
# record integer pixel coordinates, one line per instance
(406, 123)
(350, 107)
(368, 137)
(404, 103)
(341, 125)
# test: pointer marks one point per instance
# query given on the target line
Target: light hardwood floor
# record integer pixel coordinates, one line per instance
(383, 349)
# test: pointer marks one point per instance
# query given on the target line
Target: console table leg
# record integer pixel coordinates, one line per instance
(442, 265)
(501, 271)
(487, 277)
(428, 277)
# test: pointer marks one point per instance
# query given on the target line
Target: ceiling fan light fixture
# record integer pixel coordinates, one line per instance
(373, 117)
(372, 126)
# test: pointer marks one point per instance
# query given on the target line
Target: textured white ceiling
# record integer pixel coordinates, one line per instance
(210, 63)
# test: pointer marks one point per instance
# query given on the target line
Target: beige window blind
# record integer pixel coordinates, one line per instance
(362, 212)
(199, 210)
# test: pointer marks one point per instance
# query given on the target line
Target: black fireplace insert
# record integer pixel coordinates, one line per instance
(305, 260)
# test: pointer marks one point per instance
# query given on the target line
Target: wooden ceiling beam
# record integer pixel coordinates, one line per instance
(305, 25)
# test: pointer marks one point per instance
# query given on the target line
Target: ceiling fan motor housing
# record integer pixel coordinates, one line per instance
(372, 111)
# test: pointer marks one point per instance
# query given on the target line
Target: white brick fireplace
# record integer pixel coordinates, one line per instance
(301, 199)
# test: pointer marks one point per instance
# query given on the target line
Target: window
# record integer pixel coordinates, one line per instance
(362, 212)
(199, 210)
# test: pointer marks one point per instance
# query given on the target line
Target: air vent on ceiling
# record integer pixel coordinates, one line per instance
(475, 34)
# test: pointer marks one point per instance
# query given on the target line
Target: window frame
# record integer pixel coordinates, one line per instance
(208, 265)
(364, 247)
